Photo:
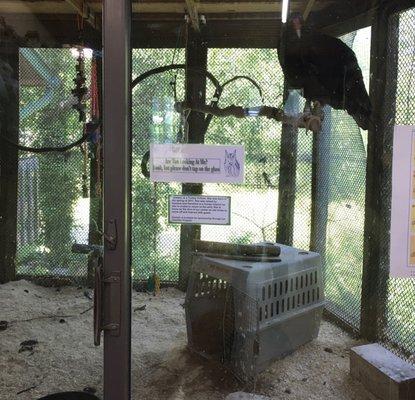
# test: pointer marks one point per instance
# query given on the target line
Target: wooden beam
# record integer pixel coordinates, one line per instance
(79, 6)
(35, 7)
(309, 6)
(221, 7)
(9, 128)
(382, 373)
(353, 24)
(197, 58)
(64, 7)
(193, 14)
(320, 187)
(288, 173)
(84, 10)
(383, 85)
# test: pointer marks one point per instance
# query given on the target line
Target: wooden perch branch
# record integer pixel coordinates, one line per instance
(307, 120)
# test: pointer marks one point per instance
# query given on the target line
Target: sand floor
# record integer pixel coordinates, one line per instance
(65, 357)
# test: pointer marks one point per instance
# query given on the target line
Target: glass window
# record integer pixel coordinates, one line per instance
(253, 224)
(50, 199)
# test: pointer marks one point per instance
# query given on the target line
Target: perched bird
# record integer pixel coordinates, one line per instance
(325, 68)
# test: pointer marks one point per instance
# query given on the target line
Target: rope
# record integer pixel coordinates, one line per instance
(39, 150)
(84, 150)
(135, 82)
(155, 277)
(165, 68)
(174, 76)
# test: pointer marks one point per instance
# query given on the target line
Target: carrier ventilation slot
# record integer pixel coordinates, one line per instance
(288, 295)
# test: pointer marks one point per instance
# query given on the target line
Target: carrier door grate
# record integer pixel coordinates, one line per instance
(240, 334)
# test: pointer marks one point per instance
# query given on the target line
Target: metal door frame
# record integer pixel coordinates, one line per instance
(117, 199)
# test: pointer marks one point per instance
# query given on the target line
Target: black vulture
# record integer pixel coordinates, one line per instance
(325, 68)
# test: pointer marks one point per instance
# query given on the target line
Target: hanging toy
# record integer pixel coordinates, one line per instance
(80, 91)
(84, 149)
(93, 133)
(94, 129)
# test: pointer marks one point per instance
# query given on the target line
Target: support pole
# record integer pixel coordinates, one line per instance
(288, 173)
(196, 58)
(9, 127)
(320, 190)
(384, 61)
(117, 200)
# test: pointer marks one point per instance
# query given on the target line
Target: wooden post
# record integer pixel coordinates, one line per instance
(196, 57)
(320, 186)
(384, 59)
(9, 155)
(288, 173)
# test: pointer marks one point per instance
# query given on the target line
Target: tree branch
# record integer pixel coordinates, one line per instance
(307, 120)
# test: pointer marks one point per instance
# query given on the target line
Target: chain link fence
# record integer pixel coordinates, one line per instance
(155, 243)
(53, 213)
(398, 324)
(346, 185)
(254, 204)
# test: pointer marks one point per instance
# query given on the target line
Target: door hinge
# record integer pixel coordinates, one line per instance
(107, 303)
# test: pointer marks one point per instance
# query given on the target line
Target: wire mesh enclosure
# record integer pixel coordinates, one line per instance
(55, 210)
(398, 321)
(155, 242)
(345, 182)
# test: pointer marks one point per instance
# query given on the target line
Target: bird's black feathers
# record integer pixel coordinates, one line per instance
(326, 69)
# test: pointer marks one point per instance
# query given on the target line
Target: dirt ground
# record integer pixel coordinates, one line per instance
(65, 357)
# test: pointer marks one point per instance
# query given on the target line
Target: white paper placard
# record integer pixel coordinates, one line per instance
(201, 210)
(402, 251)
(196, 163)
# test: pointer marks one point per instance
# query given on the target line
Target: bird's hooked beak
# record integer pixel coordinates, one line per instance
(297, 24)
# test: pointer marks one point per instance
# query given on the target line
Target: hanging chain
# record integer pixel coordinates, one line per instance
(155, 229)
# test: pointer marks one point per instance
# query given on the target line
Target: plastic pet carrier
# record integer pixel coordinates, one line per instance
(247, 306)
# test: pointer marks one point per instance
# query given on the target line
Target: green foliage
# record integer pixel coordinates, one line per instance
(29, 254)
(246, 238)
(59, 174)
(154, 121)
(260, 136)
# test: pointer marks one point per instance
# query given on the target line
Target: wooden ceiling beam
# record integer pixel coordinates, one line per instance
(222, 7)
(35, 7)
(212, 7)
(193, 14)
(84, 10)
(79, 6)
(309, 6)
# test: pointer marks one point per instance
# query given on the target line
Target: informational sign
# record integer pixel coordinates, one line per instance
(196, 163)
(203, 210)
(402, 252)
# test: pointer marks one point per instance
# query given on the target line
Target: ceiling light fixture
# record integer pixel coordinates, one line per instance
(284, 15)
